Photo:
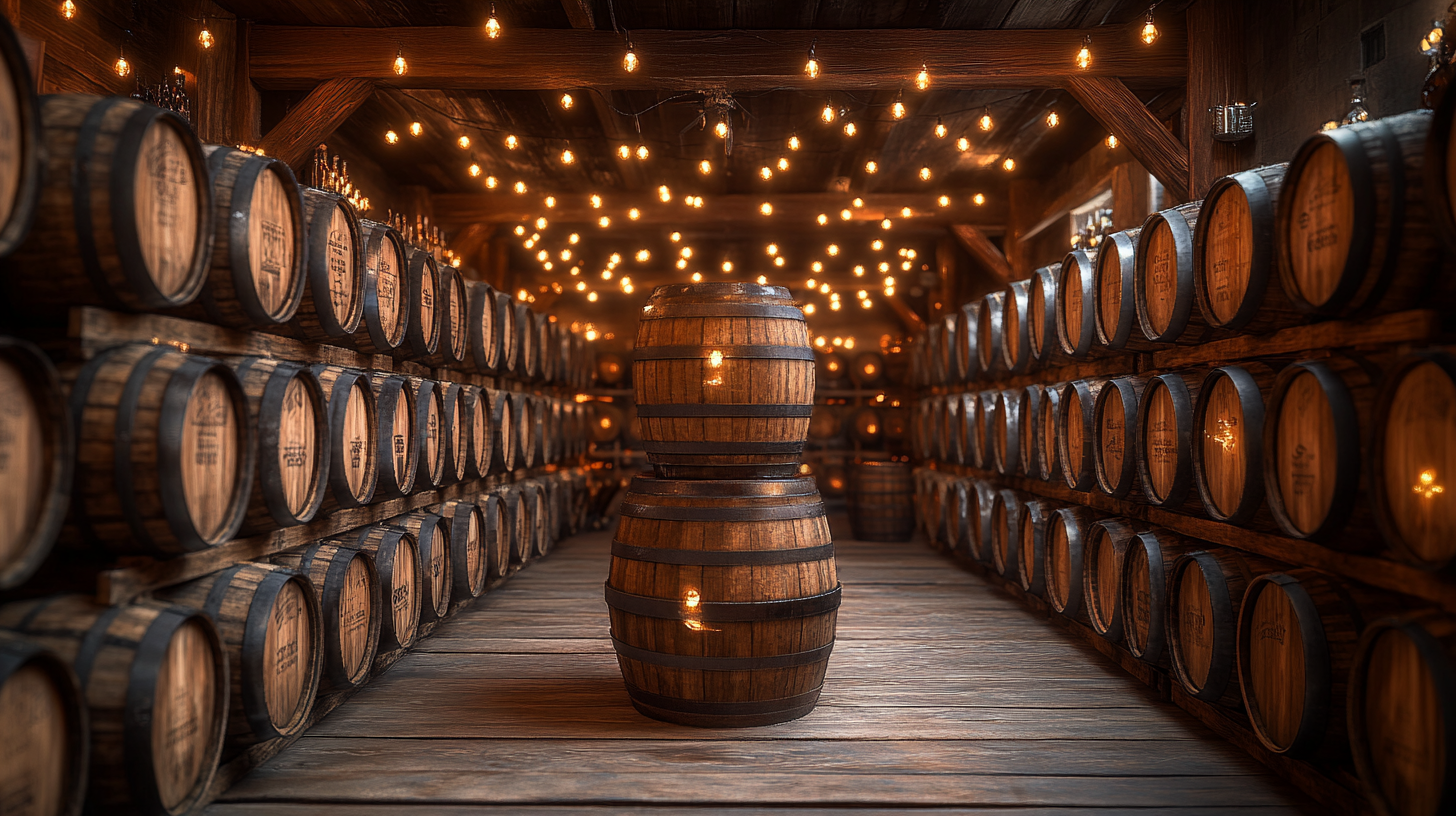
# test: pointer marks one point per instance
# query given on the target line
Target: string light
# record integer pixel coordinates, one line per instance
(783, 164)
(940, 130)
(827, 114)
(986, 122)
(664, 194)
(643, 152)
(675, 237)
(474, 170)
(859, 271)
(68, 10)
(390, 137)
(824, 290)
(698, 202)
(877, 245)
(845, 214)
(573, 239)
(943, 201)
(817, 266)
(492, 25)
(512, 142)
(779, 261)
(765, 208)
(905, 212)
(565, 255)
(857, 203)
(705, 167)
(596, 201)
(634, 213)
(682, 263)
(963, 144)
(122, 67)
(519, 188)
(1149, 33)
(884, 266)
(721, 129)
(567, 157)
(897, 110)
(812, 66)
(604, 222)
(697, 276)
(832, 249)
(643, 256)
(591, 297)
(727, 266)
(416, 129)
(1052, 119)
(834, 305)
(1111, 141)
(204, 37)
(464, 142)
(794, 143)
(1009, 164)
(872, 167)
(808, 308)
(1084, 56)
(886, 224)
(762, 279)
(822, 219)
(979, 199)
(550, 203)
(491, 182)
(400, 66)
(922, 79)
(771, 249)
(765, 172)
(567, 101)
(629, 60)
(687, 252)
(520, 229)
(624, 152)
(581, 286)
(850, 129)
(866, 303)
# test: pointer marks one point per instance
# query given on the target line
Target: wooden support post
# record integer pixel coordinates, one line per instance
(1020, 217)
(1216, 76)
(1120, 111)
(11, 10)
(986, 253)
(247, 107)
(579, 12)
(1131, 196)
(315, 118)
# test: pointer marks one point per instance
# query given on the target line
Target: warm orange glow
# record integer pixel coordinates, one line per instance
(1427, 487)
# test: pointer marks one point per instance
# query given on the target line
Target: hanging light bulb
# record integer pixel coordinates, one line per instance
(705, 167)
(512, 143)
(727, 266)
(906, 212)
(986, 122)
(886, 224)
(604, 222)
(596, 201)
(629, 60)
(591, 297)
(520, 229)
(675, 237)
(783, 164)
(1084, 56)
(817, 266)
(940, 130)
(859, 270)
(492, 25)
(474, 170)
(1150, 32)
(850, 129)
(643, 256)
(885, 267)
(68, 10)
(897, 110)
(812, 66)
(832, 249)
(390, 137)
(1052, 119)
(877, 245)
(464, 142)
(943, 201)
(551, 203)
(519, 188)
(963, 144)
(845, 214)
(822, 219)
(794, 143)
(922, 79)
(772, 249)
(643, 152)
(491, 182)
(122, 67)
(204, 37)
(400, 66)
(765, 172)
(1008, 165)
(416, 129)
(721, 129)
(697, 276)
(925, 174)
(664, 193)
(779, 261)
(872, 167)
(827, 114)
(567, 101)
(624, 152)
(1112, 141)
(567, 157)
(765, 208)
(978, 199)
(634, 213)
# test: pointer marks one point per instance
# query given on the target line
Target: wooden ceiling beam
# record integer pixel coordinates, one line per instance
(315, 119)
(579, 12)
(459, 57)
(801, 209)
(980, 247)
(1119, 110)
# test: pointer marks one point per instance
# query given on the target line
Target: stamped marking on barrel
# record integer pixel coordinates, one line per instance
(271, 244)
(343, 287)
(34, 756)
(167, 207)
(404, 597)
(387, 290)
(288, 655)
(1322, 224)
(1306, 441)
(1114, 436)
(358, 438)
(1276, 666)
(296, 445)
(1228, 253)
(210, 453)
(183, 713)
(1195, 626)
(400, 433)
(356, 609)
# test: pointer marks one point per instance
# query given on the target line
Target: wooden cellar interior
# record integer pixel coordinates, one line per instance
(645, 406)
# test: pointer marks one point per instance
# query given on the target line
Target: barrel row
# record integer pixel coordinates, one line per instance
(1323, 670)
(1346, 450)
(132, 708)
(1351, 226)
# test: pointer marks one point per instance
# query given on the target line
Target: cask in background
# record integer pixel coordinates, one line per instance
(37, 456)
(1234, 272)
(332, 303)
(1164, 272)
(350, 607)
(353, 436)
(44, 757)
(386, 290)
(20, 153)
(1413, 457)
(289, 411)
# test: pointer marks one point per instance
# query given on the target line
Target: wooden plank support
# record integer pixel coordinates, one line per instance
(986, 253)
(458, 57)
(579, 12)
(315, 119)
(1118, 109)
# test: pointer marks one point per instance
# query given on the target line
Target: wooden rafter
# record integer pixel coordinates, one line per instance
(1119, 110)
(315, 119)
(536, 59)
(579, 12)
(986, 253)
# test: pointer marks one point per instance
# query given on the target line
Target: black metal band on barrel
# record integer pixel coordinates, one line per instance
(724, 611)
(704, 352)
(781, 512)
(725, 448)
(808, 698)
(723, 310)
(722, 558)
(677, 661)
(754, 410)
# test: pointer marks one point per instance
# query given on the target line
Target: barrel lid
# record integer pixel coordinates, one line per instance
(723, 488)
(719, 289)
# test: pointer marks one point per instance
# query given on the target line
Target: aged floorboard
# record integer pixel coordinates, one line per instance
(943, 695)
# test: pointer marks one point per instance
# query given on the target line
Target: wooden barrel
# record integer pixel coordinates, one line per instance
(1077, 304)
(1102, 559)
(432, 537)
(126, 218)
(1016, 356)
(1228, 443)
(397, 445)
(1403, 713)
(270, 624)
(289, 410)
(46, 750)
(866, 426)
(982, 428)
(397, 559)
(332, 303)
(830, 370)
(1234, 276)
(921, 440)
(525, 429)
(1043, 313)
(1413, 455)
(1115, 418)
(1031, 529)
(606, 426)
(990, 334)
(154, 678)
(1004, 532)
(868, 370)
(1067, 528)
(1352, 230)
(484, 326)
(503, 429)
(1114, 281)
(1076, 433)
(1205, 591)
(954, 432)
(528, 358)
(1043, 418)
(1164, 272)
(1006, 417)
(964, 362)
(453, 350)
(722, 635)
(427, 305)
(165, 450)
(539, 514)
(258, 242)
(456, 431)
(510, 347)
(20, 147)
(959, 518)
(37, 456)
(1313, 461)
(1165, 438)
(880, 497)
(826, 425)
(432, 433)
(518, 525)
(1297, 635)
(611, 370)
(353, 446)
(980, 499)
(1146, 567)
(495, 535)
(469, 567)
(386, 290)
(351, 608)
(937, 487)
(713, 406)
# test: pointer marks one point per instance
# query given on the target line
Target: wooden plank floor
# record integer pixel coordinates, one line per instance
(943, 695)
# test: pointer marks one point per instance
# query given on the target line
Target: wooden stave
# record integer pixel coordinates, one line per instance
(932, 511)
(503, 431)
(868, 370)
(949, 428)
(327, 565)
(1395, 542)
(1103, 604)
(1031, 561)
(16, 226)
(1158, 549)
(139, 527)
(1003, 526)
(957, 520)
(465, 550)
(428, 396)
(1077, 270)
(18, 658)
(540, 515)
(1028, 410)
(1402, 278)
(265, 383)
(1006, 439)
(1183, 388)
(431, 533)
(1044, 281)
(422, 337)
(1120, 251)
(965, 323)
(49, 272)
(1265, 307)
(528, 362)
(946, 358)
(1016, 328)
(391, 547)
(1253, 382)
(1431, 635)
(1226, 574)
(990, 325)
(49, 400)
(454, 349)
(1125, 482)
(980, 501)
(312, 322)
(505, 322)
(1186, 325)
(122, 774)
(373, 335)
(1078, 400)
(249, 721)
(337, 382)
(230, 297)
(1076, 522)
(982, 429)
(633, 633)
(1048, 420)
(869, 524)
(389, 392)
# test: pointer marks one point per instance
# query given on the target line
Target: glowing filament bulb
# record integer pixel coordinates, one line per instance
(1111, 141)
(550, 203)
(897, 110)
(943, 201)
(824, 290)
(675, 237)
(827, 114)
(634, 213)
(986, 122)
(474, 170)
(1150, 32)
(857, 203)
(765, 172)
(204, 38)
(1008, 166)
(905, 212)
(491, 182)
(812, 66)
(581, 287)
(643, 256)
(834, 305)
(567, 157)
(68, 10)
(794, 143)
(629, 60)
(979, 198)
(664, 194)
(642, 152)
(464, 142)
(567, 101)
(877, 245)
(596, 202)
(867, 303)
(925, 174)
(390, 137)
(697, 276)
(884, 266)
(1427, 487)
(400, 66)
(604, 222)
(822, 219)
(765, 208)
(687, 252)
(762, 279)
(872, 167)
(1052, 119)
(624, 152)
(922, 79)
(492, 25)
(512, 143)
(817, 266)
(416, 129)
(772, 249)
(520, 230)
(859, 271)
(122, 67)
(727, 266)
(779, 261)
(963, 144)
(783, 164)
(565, 255)
(691, 598)
(886, 224)
(846, 214)
(832, 249)
(705, 167)
(591, 297)
(682, 263)
(519, 188)
(541, 223)
(850, 129)
(721, 129)
(940, 130)
(1084, 56)
(808, 308)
